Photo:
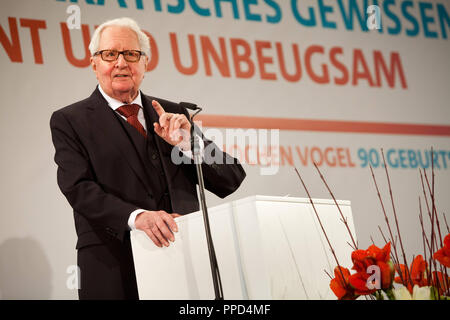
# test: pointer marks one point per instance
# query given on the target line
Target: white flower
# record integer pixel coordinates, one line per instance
(402, 294)
(419, 293)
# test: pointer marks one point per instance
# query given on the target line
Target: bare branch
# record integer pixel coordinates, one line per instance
(343, 219)
(321, 226)
(395, 217)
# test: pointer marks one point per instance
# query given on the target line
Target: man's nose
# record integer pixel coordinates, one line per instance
(121, 62)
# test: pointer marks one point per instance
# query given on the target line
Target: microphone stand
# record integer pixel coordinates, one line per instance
(195, 147)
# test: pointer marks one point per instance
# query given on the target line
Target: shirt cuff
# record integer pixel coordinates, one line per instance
(132, 218)
(189, 154)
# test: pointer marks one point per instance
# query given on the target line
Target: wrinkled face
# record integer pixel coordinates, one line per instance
(119, 79)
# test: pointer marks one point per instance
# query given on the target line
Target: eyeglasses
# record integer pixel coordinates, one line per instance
(113, 55)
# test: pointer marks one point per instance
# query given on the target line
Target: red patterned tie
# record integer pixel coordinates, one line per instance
(130, 111)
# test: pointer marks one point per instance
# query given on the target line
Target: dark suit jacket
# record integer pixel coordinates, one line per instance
(103, 177)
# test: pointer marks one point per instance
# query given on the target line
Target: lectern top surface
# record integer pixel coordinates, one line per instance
(293, 199)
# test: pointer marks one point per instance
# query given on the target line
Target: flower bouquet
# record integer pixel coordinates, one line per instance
(378, 272)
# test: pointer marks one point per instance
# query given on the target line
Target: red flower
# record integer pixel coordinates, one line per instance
(387, 274)
(340, 285)
(362, 259)
(417, 273)
(380, 254)
(443, 254)
(358, 281)
(373, 256)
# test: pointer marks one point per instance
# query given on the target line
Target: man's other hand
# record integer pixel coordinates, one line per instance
(158, 225)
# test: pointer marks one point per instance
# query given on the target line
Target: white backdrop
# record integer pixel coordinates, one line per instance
(37, 236)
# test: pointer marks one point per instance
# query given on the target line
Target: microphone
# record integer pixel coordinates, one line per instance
(195, 147)
(191, 106)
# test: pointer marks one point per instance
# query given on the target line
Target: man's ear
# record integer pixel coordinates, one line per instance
(146, 61)
(93, 64)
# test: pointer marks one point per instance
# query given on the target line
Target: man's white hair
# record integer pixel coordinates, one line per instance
(144, 41)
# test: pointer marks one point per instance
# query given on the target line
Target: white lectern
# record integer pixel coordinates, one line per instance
(266, 248)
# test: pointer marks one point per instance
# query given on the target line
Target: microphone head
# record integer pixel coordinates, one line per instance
(188, 105)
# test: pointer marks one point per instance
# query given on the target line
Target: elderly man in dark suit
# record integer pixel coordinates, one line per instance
(113, 152)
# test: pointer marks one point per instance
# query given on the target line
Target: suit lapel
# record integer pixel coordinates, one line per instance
(149, 110)
(164, 148)
(152, 117)
(106, 124)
